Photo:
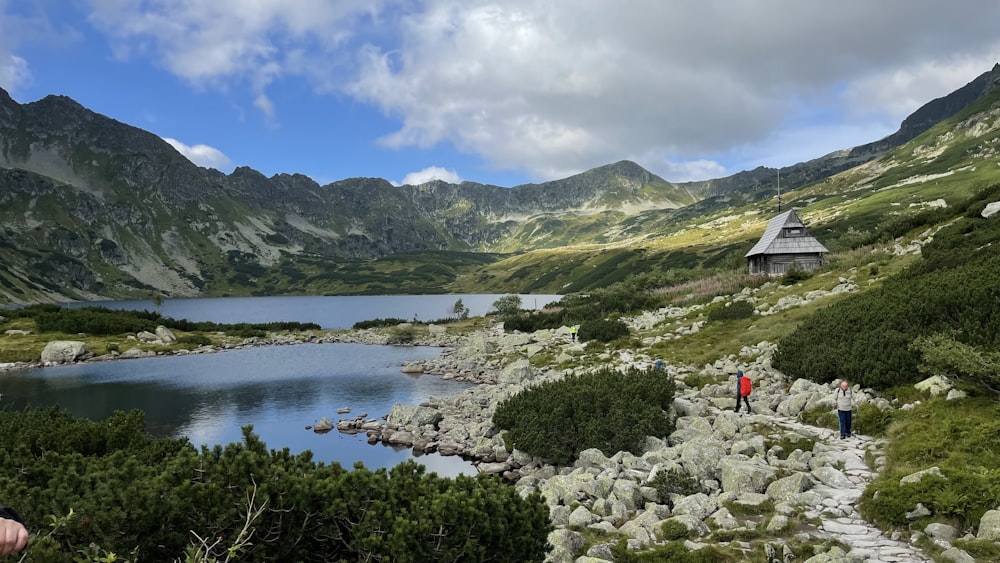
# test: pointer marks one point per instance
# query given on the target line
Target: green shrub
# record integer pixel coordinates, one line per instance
(735, 311)
(404, 334)
(604, 409)
(129, 493)
(602, 330)
(377, 323)
(673, 530)
(795, 276)
(741, 509)
(195, 340)
(674, 482)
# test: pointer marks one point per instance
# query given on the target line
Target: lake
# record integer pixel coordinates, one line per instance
(330, 312)
(278, 389)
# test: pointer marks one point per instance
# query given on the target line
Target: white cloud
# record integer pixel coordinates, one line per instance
(691, 170)
(202, 155)
(556, 87)
(212, 43)
(431, 173)
(550, 87)
(14, 72)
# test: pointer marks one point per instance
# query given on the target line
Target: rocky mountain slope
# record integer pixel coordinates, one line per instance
(92, 207)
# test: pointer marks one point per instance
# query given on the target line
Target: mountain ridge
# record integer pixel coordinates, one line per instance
(114, 211)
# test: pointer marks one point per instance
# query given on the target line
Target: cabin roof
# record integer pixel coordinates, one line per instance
(772, 242)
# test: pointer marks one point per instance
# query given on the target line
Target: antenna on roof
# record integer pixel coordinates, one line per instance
(779, 190)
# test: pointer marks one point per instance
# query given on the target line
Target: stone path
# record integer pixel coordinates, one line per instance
(840, 519)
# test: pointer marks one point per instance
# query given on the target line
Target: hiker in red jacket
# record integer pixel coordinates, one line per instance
(742, 390)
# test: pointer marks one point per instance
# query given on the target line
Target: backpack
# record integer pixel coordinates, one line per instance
(745, 386)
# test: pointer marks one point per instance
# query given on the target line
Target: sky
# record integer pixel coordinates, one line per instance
(495, 92)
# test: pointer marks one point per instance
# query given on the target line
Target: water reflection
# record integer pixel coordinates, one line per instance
(279, 390)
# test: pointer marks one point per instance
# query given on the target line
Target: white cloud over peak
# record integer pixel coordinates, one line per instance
(431, 173)
(14, 72)
(202, 155)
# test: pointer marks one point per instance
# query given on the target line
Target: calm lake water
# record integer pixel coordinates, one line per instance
(333, 312)
(277, 389)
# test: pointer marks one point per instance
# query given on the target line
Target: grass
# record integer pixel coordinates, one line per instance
(962, 438)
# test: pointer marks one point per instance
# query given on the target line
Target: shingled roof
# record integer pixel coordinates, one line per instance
(774, 241)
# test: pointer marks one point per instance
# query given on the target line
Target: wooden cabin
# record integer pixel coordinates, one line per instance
(786, 245)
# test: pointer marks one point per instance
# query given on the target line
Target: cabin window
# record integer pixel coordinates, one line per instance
(793, 232)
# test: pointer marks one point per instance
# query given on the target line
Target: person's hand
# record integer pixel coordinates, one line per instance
(13, 537)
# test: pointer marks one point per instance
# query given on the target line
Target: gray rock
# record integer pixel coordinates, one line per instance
(437, 329)
(787, 487)
(723, 519)
(777, 522)
(324, 425)
(601, 551)
(835, 555)
(146, 336)
(410, 415)
(16, 332)
(989, 526)
(956, 555)
(517, 372)
(565, 543)
(920, 511)
(581, 517)
(594, 458)
(745, 475)
(698, 505)
(832, 478)
(919, 475)
(991, 209)
(700, 457)
(559, 515)
(936, 385)
(58, 351)
(164, 335)
(954, 394)
(940, 531)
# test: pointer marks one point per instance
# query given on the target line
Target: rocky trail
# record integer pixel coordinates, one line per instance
(840, 492)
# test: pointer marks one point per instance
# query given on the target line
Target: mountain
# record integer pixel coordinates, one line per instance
(92, 207)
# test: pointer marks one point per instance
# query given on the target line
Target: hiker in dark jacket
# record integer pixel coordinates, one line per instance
(739, 392)
(13, 535)
(845, 403)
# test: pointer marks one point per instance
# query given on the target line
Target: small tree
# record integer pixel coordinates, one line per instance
(459, 310)
(943, 354)
(508, 305)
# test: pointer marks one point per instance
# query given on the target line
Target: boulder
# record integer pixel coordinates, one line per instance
(594, 458)
(954, 394)
(787, 487)
(58, 351)
(146, 336)
(991, 209)
(745, 475)
(956, 555)
(989, 526)
(699, 505)
(16, 332)
(323, 426)
(938, 531)
(581, 517)
(516, 372)
(566, 544)
(410, 415)
(700, 457)
(832, 478)
(935, 385)
(164, 335)
(835, 555)
(437, 329)
(919, 475)
(918, 512)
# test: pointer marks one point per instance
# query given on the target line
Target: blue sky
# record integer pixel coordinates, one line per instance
(497, 92)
